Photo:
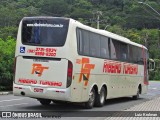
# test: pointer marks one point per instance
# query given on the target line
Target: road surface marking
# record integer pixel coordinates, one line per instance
(11, 100)
(14, 105)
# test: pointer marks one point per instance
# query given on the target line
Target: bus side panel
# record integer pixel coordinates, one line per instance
(76, 89)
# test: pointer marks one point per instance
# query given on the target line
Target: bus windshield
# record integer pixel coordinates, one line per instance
(44, 31)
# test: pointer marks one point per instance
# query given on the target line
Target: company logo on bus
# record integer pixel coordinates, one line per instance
(41, 82)
(112, 67)
(85, 69)
(38, 69)
(119, 68)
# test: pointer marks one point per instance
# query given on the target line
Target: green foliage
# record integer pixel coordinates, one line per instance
(8, 31)
(156, 73)
(83, 4)
(81, 13)
(7, 50)
(55, 7)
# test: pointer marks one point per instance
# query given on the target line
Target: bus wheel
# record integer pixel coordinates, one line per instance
(101, 98)
(91, 100)
(135, 97)
(44, 101)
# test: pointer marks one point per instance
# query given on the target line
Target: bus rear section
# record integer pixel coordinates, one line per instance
(41, 69)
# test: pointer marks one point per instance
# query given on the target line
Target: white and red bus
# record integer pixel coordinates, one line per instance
(60, 59)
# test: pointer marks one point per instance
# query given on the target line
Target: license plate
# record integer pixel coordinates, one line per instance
(40, 90)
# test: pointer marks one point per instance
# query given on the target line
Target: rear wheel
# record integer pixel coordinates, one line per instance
(101, 98)
(44, 101)
(91, 100)
(135, 97)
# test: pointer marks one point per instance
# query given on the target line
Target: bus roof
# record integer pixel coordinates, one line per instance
(43, 17)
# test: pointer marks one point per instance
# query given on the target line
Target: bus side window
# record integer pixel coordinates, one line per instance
(104, 47)
(94, 44)
(123, 52)
(92, 52)
(113, 50)
(86, 50)
(80, 41)
(103, 52)
(85, 43)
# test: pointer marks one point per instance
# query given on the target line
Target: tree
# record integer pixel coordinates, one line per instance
(55, 7)
(7, 50)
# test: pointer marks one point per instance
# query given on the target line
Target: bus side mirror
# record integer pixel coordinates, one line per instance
(151, 65)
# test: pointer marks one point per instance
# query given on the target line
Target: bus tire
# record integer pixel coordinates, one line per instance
(45, 101)
(90, 103)
(136, 97)
(101, 98)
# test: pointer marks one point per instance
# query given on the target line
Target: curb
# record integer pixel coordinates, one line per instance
(6, 93)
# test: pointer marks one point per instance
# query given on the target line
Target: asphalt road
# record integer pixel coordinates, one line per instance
(16, 103)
